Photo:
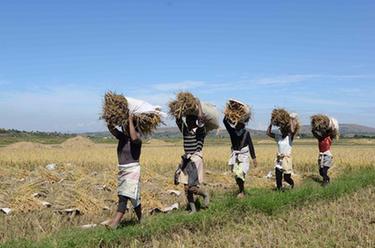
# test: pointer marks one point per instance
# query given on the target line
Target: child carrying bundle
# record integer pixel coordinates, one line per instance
(286, 127)
(236, 116)
(324, 129)
(194, 125)
(133, 117)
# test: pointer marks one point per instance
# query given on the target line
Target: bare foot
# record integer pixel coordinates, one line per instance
(240, 195)
(110, 227)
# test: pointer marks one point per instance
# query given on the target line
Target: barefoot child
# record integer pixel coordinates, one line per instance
(325, 158)
(242, 149)
(128, 153)
(324, 129)
(190, 171)
(284, 138)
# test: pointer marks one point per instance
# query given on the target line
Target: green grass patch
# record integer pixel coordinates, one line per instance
(223, 207)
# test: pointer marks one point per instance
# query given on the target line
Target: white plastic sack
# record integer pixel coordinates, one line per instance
(137, 106)
(333, 124)
(212, 116)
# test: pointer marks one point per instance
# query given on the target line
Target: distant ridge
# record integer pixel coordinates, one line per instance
(346, 130)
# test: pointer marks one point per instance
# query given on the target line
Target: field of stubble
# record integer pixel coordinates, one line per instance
(85, 178)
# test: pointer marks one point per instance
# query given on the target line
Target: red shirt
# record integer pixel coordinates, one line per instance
(325, 144)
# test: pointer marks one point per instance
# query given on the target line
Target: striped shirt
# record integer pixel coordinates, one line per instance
(193, 140)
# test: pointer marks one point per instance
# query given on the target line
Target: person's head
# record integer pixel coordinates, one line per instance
(191, 121)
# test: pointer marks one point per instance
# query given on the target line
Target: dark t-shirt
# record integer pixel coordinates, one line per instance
(237, 139)
(128, 151)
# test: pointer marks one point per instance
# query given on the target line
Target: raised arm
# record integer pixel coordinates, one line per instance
(230, 129)
(115, 132)
(293, 127)
(179, 124)
(132, 132)
(251, 149)
(269, 132)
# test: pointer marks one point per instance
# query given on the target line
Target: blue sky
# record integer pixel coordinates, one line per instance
(57, 58)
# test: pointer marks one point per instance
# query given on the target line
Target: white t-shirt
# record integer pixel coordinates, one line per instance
(284, 145)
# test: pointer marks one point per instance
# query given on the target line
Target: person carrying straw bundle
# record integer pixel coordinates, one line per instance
(286, 127)
(236, 116)
(118, 111)
(324, 129)
(189, 118)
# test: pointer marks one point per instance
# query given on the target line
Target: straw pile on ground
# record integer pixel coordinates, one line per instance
(322, 126)
(237, 112)
(115, 109)
(281, 118)
(185, 104)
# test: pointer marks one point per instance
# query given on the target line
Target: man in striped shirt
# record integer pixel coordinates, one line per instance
(191, 168)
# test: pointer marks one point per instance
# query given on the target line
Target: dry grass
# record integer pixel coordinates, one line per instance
(321, 126)
(237, 112)
(281, 118)
(85, 178)
(116, 113)
(115, 109)
(346, 222)
(184, 104)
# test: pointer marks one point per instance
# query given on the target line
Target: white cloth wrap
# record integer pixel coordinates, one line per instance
(325, 159)
(243, 157)
(197, 158)
(129, 181)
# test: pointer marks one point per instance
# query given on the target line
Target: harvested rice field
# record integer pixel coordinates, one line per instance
(50, 188)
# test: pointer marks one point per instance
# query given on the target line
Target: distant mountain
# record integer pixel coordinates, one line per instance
(346, 130)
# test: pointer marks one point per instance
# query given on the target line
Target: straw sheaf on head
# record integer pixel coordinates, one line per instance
(115, 109)
(321, 126)
(116, 113)
(237, 112)
(185, 104)
(281, 118)
(147, 123)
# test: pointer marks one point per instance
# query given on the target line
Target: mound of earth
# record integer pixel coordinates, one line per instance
(77, 142)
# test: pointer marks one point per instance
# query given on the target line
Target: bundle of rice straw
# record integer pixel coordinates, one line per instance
(146, 117)
(146, 123)
(323, 126)
(281, 118)
(185, 104)
(237, 112)
(115, 109)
